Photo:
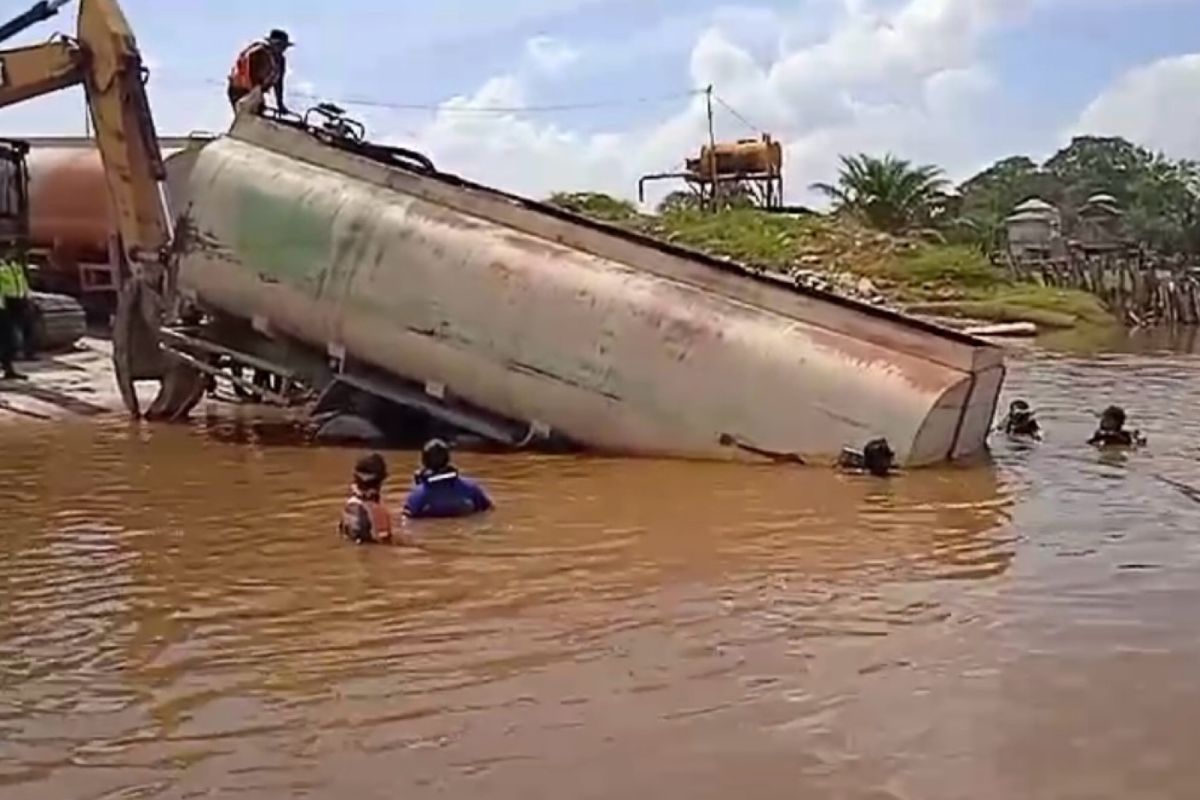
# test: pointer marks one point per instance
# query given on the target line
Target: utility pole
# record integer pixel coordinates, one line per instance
(712, 148)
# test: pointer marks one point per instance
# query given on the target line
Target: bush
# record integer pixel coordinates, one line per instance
(753, 237)
(596, 205)
(930, 267)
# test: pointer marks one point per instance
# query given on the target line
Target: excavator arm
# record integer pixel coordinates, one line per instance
(104, 59)
(30, 72)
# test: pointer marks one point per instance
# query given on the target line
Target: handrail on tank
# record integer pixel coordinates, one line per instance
(345, 133)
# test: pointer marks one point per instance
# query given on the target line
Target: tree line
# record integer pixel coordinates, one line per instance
(1160, 196)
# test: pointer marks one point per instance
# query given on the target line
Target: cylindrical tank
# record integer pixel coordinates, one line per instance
(72, 234)
(744, 157)
(615, 344)
(68, 204)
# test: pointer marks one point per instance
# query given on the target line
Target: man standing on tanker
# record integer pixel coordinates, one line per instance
(262, 65)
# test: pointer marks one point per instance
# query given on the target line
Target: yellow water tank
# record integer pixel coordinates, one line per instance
(744, 157)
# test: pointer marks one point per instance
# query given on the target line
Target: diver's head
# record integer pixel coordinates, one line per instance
(435, 456)
(1113, 419)
(370, 472)
(878, 458)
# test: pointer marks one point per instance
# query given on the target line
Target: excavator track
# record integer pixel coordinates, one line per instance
(59, 322)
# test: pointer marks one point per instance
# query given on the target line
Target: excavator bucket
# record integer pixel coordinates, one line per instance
(128, 143)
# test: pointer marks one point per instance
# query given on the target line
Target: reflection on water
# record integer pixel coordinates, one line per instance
(181, 620)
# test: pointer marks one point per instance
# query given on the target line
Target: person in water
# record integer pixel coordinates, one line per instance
(1021, 422)
(1112, 432)
(875, 459)
(365, 519)
(440, 491)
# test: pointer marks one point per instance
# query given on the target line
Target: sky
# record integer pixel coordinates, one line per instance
(536, 96)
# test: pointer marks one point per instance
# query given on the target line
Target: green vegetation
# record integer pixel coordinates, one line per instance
(1044, 306)
(929, 269)
(1160, 196)
(765, 241)
(956, 281)
(597, 206)
(888, 194)
(924, 246)
(949, 280)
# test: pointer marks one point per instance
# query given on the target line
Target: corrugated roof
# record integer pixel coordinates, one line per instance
(1035, 204)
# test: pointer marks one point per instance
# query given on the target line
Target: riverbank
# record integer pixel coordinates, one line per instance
(918, 277)
(77, 383)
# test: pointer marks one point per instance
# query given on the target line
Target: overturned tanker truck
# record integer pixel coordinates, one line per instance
(400, 297)
(401, 294)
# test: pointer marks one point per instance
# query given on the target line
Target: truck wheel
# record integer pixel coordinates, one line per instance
(348, 429)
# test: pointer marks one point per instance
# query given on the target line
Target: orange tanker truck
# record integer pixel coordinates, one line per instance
(73, 242)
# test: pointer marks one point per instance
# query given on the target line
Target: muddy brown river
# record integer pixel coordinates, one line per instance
(178, 619)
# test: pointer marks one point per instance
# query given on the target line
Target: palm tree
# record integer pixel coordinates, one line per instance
(889, 193)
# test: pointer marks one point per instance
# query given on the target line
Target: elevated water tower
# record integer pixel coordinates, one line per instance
(747, 169)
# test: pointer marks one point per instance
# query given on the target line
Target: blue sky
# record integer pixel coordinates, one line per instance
(959, 82)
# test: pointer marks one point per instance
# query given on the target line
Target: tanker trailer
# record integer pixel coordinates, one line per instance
(344, 265)
(57, 320)
(73, 242)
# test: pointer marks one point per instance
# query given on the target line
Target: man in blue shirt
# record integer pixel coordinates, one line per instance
(440, 491)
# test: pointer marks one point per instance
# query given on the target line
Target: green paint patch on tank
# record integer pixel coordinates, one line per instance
(285, 237)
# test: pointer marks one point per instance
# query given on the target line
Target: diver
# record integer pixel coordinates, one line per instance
(1112, 432)
(365, 519)
(1021, 422)
(440, 491)
(875, 459)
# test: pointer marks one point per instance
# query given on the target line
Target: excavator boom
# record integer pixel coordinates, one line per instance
(104, 59)
(29, 72)
(114, 80)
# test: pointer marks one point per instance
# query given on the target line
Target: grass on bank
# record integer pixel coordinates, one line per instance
(958, 281)
(926, 278)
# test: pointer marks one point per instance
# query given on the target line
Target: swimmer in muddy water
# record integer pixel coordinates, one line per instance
(365, 519)
(1021, 423)
(875, 459)
(1112, 432)
(440, 491)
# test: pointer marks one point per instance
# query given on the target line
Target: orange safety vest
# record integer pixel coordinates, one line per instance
(241, 76)
(381, 520)
(378, 514)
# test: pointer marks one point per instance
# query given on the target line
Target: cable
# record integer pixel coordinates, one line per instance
(371, 103)
(735, 112)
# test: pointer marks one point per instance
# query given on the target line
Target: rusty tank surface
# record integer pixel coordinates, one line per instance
(482, 306)
(69, 205)
(72, 234)
(747, 169)
(744, 157)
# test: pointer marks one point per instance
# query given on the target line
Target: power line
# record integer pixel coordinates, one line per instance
(736, 113)
(447, 106)
(462, 109)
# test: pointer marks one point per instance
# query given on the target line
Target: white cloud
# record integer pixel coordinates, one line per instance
(1153, 105)
(900, 76)
(550, 55)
